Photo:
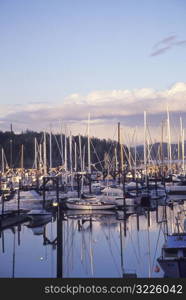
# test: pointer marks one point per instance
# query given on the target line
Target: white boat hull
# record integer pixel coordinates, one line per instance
(90, 207)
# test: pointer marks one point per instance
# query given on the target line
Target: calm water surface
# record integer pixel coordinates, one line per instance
(102, 247)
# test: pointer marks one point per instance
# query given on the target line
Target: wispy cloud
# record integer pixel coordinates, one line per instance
(166, 44)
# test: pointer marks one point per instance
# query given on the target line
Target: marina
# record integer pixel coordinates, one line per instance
(55, 234)
(93, 146)
(125, 218)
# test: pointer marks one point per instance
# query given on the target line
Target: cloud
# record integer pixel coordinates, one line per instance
(166, 41)
(181, 43)
(106, 109)
(160, 51)
(166, 44)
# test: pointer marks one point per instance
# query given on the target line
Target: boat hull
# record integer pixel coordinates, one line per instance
(89, 207)
(173, 268)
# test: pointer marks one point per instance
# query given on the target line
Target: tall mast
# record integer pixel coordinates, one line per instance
(35, 153)
(40, 157)
(183, 145)
(148, 151)
(50, 148)
(83, 160)
(44, 155)
(70, 145)
(61, 141)
(161, 152)
(22, 156)
(145, 141)
(89, 162)
(183, 151)
(65, 152)
(135, 155)
(169, 140)
(2, 158)
(80, 154)
(179, 138)
(75, 156)
(10, 153)
(116, 159)
(119, 145)
(121, 153)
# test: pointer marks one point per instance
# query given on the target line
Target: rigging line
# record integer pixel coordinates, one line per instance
(150, 140)
(91, 254)
(131, 142)
(133, 246)
(6, 162)
(115, 132)
(126, 154)
(60, 152)
(96, 154)
(70, 243)
(52, 257)
(84, 251)
(138, 242)
(114, 143)
(150, 148)
(115, 243)
(121, 247)
(156, 247)
(111, 252)
(175, 130)
(149, 252)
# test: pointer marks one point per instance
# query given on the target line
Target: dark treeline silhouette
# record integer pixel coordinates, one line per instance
(101, 150)
(12, 146)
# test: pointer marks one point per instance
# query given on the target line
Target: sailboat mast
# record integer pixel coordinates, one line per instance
(121, 153)
(44, 155)
(75, 156)
(116, 159)
(70, 145)
(169, 140)
(2, 158)
(183, 151)
(80, 153)
(61, 141)
(35, 153)
(50, 149)
(161, 152)
(182, 145)
(179, 137)
(145, 141)
(22, 156)
(135, 155)
(40, 157)
(65, 152)
(89, 160)
(121, 249)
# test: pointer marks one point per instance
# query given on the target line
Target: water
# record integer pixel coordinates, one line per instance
(97, 248)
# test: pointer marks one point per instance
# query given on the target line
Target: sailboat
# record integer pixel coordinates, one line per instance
(76, 203)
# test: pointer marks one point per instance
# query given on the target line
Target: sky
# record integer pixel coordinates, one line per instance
(61, 59)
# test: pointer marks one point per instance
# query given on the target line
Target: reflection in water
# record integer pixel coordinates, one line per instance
(84, 244)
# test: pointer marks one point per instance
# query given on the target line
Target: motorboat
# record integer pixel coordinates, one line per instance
(173, 257)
